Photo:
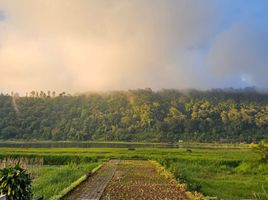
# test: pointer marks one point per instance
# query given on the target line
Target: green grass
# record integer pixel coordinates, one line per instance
(228, 172)
(124, 153)
(53, 179)
(223, 179)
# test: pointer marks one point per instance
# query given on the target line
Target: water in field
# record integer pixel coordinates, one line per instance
(84, 145)
(130, 145)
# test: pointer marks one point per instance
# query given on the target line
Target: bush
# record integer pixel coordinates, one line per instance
(15, 182)
(262, 149)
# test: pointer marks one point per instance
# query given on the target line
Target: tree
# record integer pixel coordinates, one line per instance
(9, 132)
(137, 115)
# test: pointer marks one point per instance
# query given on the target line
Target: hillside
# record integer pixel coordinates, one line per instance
(137, 115)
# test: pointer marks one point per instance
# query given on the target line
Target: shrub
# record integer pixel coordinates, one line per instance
(15, 182)
(244, 167)
(262, 149)
(189, 151)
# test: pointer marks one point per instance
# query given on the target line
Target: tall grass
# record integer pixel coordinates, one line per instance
(54, 179)
(24, 162)
(43, 159)
(226, 179)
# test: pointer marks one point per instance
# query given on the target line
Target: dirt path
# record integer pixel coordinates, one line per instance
(140, 180)
(93, 188)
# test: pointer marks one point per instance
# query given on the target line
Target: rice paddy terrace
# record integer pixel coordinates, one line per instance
(229, 172)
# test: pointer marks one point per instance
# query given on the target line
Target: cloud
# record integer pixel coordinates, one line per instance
(2, 15)
(81, 45)
(242, 50)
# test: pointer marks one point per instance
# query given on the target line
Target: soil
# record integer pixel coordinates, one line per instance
(140, 180)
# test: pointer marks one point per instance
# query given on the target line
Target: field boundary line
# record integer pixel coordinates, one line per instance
(76, 183)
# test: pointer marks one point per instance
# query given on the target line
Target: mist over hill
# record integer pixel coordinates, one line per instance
(137, 115)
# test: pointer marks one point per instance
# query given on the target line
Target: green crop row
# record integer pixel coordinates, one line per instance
(226, 179)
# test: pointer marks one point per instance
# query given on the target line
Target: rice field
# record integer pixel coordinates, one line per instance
(230, 173)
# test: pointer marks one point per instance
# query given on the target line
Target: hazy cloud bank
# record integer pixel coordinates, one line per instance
(81, 45)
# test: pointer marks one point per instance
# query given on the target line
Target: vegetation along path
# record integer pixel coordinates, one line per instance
(140, 180)
(93, 187)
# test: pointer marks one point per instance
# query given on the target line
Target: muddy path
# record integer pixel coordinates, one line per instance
(140, 180)
(94, 186)
(127, 180)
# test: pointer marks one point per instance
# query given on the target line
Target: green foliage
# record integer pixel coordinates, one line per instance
(224, 178)
(252, 168)
(54, 179)
(66, 159)
(16, 183)
(54, 159)
(138, 115)
(262, 149)
(74, 184)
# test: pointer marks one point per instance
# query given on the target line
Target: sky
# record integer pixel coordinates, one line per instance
(93, 45)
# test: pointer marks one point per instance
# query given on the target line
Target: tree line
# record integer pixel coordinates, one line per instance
(137, 115)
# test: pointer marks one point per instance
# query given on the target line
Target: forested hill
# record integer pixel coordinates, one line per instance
(137, 115)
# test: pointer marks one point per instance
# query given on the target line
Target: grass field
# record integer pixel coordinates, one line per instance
(225, 179)
(226, 172)
(50, 180)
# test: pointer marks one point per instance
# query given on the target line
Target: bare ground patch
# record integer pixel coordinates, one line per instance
(140, 180)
